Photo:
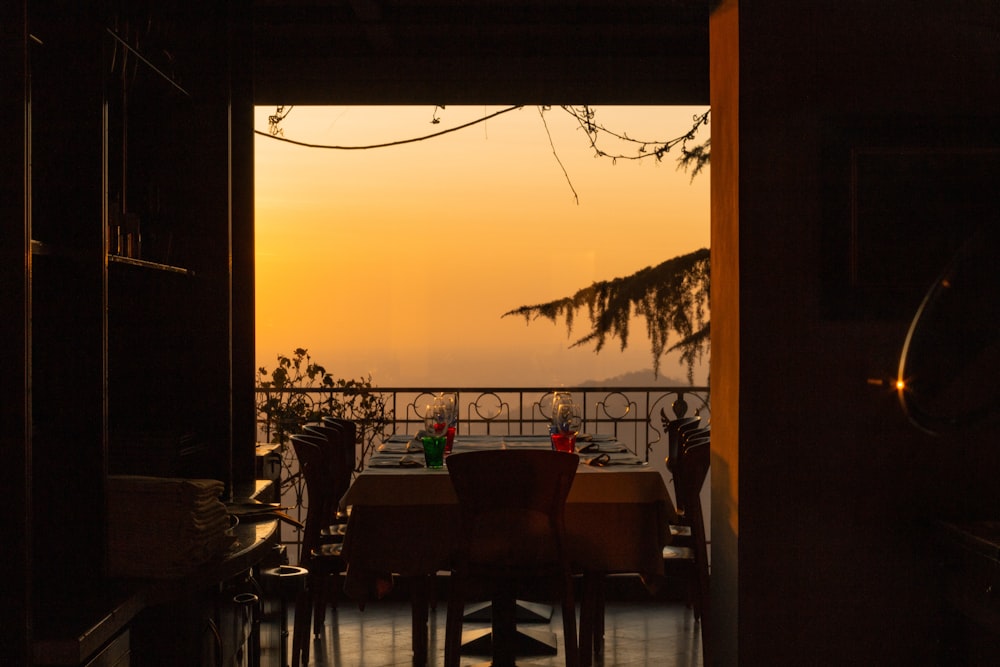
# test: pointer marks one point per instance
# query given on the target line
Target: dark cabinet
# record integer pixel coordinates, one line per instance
(969, 584)
(127, 228)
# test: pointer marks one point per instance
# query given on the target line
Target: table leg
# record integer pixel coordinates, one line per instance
(528, 641)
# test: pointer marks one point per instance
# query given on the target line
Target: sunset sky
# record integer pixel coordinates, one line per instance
(398, 262)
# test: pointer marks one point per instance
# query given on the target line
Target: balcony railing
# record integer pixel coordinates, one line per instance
(631, 414)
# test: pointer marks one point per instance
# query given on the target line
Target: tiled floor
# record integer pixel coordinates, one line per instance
(651, 632)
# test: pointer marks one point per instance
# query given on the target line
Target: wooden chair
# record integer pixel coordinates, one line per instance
(341, 435)
(512, 508)
(690, 559)
(679, 555)
(322, 559)
(339, 445)
(676, 429)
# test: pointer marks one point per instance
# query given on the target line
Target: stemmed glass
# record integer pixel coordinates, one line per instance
(450, 400)
(436, 419)
(557, 398)
(566, 422)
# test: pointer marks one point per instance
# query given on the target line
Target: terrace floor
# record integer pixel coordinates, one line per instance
(651, 631)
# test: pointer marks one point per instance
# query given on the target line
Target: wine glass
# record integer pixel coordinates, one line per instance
(566, 423)
(450, 400)
(557, 398)
(436, 418)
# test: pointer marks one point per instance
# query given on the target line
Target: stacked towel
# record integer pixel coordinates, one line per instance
(161, 527)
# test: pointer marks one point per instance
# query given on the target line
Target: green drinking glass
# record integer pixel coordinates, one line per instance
(434, 450)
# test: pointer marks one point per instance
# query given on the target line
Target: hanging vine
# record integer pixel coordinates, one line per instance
(672, 297)
(693, 157)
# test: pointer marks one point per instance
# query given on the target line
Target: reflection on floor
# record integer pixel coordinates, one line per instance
(650, 632)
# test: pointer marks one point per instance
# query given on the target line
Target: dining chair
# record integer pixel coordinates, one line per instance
(339, 449)
(678, 555)
(689, 558)
(675, 430)
(511, 543)
(323, 560)
(339, 445)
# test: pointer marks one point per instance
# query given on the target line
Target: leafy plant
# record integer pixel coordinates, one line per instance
(286, 408)
(299, 391)
(359, 401)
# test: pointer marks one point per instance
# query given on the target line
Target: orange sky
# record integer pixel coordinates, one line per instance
(398, 262)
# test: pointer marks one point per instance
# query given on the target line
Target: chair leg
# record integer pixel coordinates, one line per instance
(591, 618)
(570, 640)
(587, 608)
(453, 622)
(598, 615)
(705, 607)
(300, 635)
(320, 586)
(694, 591)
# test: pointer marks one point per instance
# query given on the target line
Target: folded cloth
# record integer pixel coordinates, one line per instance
(388, 461)
(612, 459)
(164, 527)
(172, 489)
(607, 446)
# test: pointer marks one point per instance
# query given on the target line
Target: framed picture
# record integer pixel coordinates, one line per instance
(901, 195)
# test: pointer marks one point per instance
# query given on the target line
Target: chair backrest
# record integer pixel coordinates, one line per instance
(350, 434)
(339, 447)
(693, 436)
(512, 505)
(311, 452)
(692, 470)
(674, 429)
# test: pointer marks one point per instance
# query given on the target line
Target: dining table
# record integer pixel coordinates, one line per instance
(404, 518)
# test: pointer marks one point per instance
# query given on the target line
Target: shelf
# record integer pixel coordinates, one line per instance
(119, 259)
(156, 70)
(52, 250)
(41, 248)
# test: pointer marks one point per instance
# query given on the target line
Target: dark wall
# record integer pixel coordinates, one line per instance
(822, 490)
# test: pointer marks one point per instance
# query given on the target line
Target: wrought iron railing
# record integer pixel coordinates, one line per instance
(631, 414)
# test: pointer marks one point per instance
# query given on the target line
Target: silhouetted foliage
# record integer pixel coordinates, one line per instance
(672, 297)
(299, 391)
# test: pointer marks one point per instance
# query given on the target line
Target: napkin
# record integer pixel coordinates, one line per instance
(606, 459)
(412, 447)
(405, 461)
(401, 444)
(602, 447)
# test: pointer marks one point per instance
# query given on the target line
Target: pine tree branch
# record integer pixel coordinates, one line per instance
(672, 297)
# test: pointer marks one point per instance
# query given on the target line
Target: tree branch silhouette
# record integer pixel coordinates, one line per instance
(672, 297)
(693, 158)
